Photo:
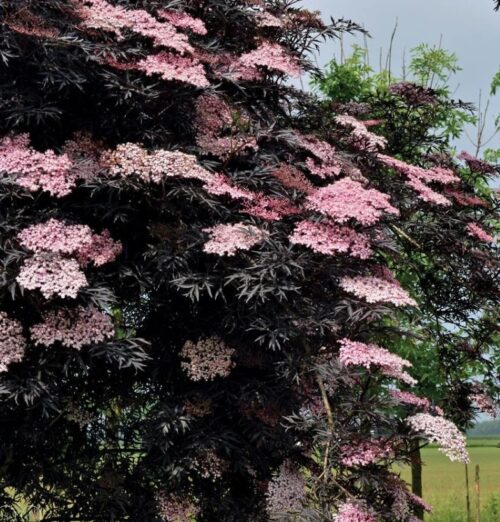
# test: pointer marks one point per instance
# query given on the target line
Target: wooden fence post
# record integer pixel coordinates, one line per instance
(478, 498)
(467, 492)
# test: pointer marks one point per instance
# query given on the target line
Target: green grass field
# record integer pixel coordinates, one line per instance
(444, 482)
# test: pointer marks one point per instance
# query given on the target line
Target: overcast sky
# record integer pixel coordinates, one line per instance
(469, 28)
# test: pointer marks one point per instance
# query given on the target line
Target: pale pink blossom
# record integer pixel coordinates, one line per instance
(442, 432)
(286, 491)
(73, 328)
(52, 275)
(266, 19)
(331, 239)
(354, 353)
(485, 403)
(12, 341)
(364, 453)
(99, 14)
(377, 290)
(101, 250)
(55, 236)
(361, 137)
(183, 21)
(270, 208)
(476, 164)
(326, 162)
(35, 170)
(347, 199)
(292, 178)
(170, 66)
(416, 500)
(272, 57)
(411, 399)
(207, 359)
(220, 185)
(132, 160)
(226, 240)
(176, 508)
(474, 230)
(353, 512)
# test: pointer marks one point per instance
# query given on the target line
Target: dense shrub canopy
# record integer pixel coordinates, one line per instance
(196, 271)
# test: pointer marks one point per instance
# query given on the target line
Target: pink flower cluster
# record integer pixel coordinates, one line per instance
(331, 239)
(272, 57)
(35, 170)
(411, 399)
(12, 341)
(286, 491)
(328, 165)
(474, 230)
(55, 236)
(417, 501)
(354, 353)
(99, 14)
(226, 240)
(269, 208)
(292, 178)
(209, 465)
(131, 160)
(183, 21)
(73, 328)
(78, 240)
(364, 453)
(266, 19)
(214, 119)
(443, 432)
(377, 290)
(476, 164)
(49, 269)
(351, 512)
(361, 137)
(207, 359)
(417, 178)
(485, 403)
(52, 275)
(170, 66)
(347, 199)
(220, 185)
(176, 508)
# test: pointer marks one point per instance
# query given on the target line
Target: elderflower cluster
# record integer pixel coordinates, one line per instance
(476, 164)
(50, 269)
(207, 359)
(286, 490)
(183, 21)
(347, 199)
(418, 178)
(360, 135)
(352, 512)
(354, 353)
(442, 432)
(272, 57)
(485, 403)
(376, 290)
(364, 453)
(132, 160)
(328, 165)
(99, 14)
(292, 178)
(73, 328)
(52, 275)
(226, 240)
(174, 508)
(35, 170)
(269, 208)
(331, 239)
(12, 341)
(411, 399)
(474, 230)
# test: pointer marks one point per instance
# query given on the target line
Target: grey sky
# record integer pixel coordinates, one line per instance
(469, 28)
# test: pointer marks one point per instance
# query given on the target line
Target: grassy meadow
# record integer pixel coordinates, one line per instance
(444, 482)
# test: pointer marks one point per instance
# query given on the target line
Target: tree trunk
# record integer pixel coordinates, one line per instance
(416, 475)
